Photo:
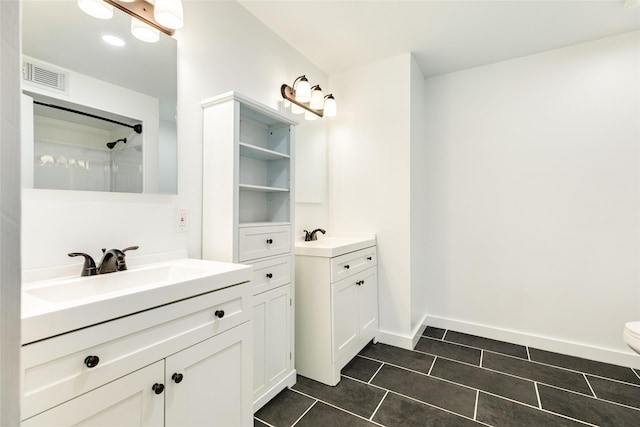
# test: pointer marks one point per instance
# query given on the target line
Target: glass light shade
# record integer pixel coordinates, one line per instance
(303, 90)
(143, 31)
(169, 13)
(310, 116)
(330, 107)
(96, 8)
(296, 109)
(113, 40)
(317, 98)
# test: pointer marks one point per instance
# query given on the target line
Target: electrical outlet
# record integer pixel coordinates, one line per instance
(182, 220)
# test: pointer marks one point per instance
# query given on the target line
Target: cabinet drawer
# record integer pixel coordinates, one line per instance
(271, 273)
(55, 370)
(260, 242)
(354, 262)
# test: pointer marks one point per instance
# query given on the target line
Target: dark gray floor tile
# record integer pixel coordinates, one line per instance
(493, 382)
(586, 408)
(399, 411)
(536, 372)
(258, 423)
(398, 356)
(487, 344)
(449, 350)
(499, 412)
(361, 369)
(325, 415)
(452, 397)
(350, 395)
(585, 365)
(615, 391)
(432, 332)
(285, 408)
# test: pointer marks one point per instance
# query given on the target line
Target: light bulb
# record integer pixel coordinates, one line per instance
(296, 109)
(317, 98)
(308, 115)
(169, 13)
(330, 108)
(303, 90)
(143, 31)
(96, 8)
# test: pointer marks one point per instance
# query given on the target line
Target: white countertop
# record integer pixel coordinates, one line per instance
(332, 246)
(58, 305)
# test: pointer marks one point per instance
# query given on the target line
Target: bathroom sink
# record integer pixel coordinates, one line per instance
(58, 305)
(331, 246)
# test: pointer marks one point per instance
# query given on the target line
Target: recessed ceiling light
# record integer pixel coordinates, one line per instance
(113, 40)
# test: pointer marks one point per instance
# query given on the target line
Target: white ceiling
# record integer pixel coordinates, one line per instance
(444, 36)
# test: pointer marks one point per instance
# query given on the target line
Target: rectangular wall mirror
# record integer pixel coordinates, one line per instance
(95, 116)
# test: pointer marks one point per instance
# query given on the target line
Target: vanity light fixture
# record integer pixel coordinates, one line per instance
(113, 40)
(165, 15)
(308, 100)
(143, 31)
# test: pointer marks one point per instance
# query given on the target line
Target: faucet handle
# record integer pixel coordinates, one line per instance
(89, 267)
(307, 236)
(130, 248)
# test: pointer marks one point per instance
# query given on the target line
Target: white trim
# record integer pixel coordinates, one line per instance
(616, 357)
(287, 381)
(408, 342)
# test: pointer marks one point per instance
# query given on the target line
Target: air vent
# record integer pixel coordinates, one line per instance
(44, 77)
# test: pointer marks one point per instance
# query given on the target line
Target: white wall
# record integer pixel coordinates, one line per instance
(9, 213)
(533, 188)
(222, 47)
(369, 178)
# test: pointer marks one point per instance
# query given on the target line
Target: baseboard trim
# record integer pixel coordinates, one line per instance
(599, 354)
(287, 381)
(407, 342)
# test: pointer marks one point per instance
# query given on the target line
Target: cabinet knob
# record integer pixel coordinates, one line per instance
(158, 388)
(369, 258)
(177, 378)
(269, 275)
(346, 266)
(91, 361)
(269, 241)
(219, 314)
(360, 282)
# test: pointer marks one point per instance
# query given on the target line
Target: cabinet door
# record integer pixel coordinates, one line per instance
(209, 384)
(271, 339)
(125, 402)
(368, 304)
(345, 323)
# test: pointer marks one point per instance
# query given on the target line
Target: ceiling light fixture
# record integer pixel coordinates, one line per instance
(308, 100)
(165, 15)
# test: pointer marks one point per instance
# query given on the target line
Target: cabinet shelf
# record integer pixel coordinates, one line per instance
(262, 189)
(258, 153)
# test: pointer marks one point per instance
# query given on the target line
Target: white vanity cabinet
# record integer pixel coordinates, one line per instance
(336, 311)
(248, 153)
(183, 363)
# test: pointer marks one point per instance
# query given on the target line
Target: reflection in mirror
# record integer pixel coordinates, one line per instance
(68, 65)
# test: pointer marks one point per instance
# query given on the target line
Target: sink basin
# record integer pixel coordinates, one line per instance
(55, 306)
(66, 290)
(332, 246)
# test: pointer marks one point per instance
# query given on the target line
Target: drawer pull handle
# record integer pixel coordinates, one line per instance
(269, 241)
(346, 266)
(158, 388)
(177, 378)
(91, 361)
(219, 314)
(369, 258)
(269, 275)
(360, 282)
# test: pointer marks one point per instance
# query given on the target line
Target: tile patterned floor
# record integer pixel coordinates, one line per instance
(456, 379)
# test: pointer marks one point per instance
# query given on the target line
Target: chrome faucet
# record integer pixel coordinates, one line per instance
(112, 260)
(312, 235)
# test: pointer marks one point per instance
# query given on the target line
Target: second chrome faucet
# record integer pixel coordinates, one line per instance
(112, 260)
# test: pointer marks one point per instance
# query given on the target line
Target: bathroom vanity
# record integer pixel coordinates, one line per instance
(248, 152)
(168, 344)
(336, 304)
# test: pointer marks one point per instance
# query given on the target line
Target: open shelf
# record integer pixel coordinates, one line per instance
(261, 188)
(259, 153)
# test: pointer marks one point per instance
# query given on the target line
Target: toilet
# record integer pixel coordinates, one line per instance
(631, 335)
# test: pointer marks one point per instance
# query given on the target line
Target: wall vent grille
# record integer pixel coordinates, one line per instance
(45, 77)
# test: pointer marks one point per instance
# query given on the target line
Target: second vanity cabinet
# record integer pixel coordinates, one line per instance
(336, 311)
(184, 363)
(247, 217)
